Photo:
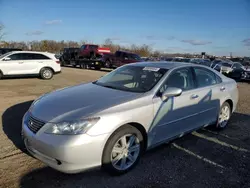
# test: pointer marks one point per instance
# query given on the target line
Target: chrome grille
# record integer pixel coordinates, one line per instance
(34, 124)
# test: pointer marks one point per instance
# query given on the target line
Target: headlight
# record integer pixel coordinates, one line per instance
(71, 128)
(25, 118)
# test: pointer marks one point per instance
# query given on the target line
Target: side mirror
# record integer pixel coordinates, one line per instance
(171, 92)
(6, 59)
(125, 58)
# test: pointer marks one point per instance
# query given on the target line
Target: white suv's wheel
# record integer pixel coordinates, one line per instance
(123, 150)
(46, 73)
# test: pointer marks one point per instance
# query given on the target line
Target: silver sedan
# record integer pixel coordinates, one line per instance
(110, 122)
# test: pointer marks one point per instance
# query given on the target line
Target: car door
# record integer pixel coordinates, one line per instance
(12, 64)
(237, 70)
(177, 115)
(116, 59)
(37, 62)
(125, 59)
(208, 93)
(30, 64)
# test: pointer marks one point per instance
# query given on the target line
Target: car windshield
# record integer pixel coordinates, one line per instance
(177, 59)
(132, 78)
(225, 64)
(2, 56)
(206, 60)
(186, 60)
(215, 62)
(194, 60)
(83, 47)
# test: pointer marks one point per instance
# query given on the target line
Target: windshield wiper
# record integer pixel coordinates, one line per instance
(108, 86)
(103, 85)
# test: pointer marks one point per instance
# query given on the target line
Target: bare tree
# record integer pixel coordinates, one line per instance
(1, 31)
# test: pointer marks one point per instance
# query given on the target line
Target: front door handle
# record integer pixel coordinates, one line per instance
(20, 62)
(222, 88)
(194, 96)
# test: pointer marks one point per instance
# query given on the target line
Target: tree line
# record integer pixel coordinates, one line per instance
(56, 46)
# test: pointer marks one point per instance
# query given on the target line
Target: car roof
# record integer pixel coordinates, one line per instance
(161, 64)
(31, 52)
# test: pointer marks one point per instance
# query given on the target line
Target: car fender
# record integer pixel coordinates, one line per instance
(112, 121)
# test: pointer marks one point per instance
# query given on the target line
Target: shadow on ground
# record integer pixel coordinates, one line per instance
(20, 77)
(166, 166)
(78, 67)
(12, 123)
(238, 128)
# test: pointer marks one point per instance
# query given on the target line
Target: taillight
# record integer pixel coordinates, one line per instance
(58, 62)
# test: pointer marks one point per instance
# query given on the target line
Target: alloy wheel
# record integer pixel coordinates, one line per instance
(224, 116)
(125, 152)
(47, 74)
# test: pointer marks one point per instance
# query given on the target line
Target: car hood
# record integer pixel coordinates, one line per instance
(78, 102)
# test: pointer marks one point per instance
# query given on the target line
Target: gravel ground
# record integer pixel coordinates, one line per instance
(206, 158)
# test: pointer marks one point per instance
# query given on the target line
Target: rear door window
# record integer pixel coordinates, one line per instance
(205, 77)
(39, 57)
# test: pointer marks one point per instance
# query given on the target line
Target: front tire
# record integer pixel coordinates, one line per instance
(123, 150)
(224, 115)
(46, 73)
(1, 75)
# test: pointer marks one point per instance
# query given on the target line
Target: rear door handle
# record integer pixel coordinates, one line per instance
(194, 96)
(40, 61)
(222, 88)
(20, 62)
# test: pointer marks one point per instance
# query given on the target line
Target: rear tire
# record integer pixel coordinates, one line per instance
(108, 64)
(46, 73)
(224, 116)
(123, 150)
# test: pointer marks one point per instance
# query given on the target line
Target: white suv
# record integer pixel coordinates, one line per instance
(43, 64)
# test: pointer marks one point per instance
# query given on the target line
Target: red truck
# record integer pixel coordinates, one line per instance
(119, 58)
(91, 51)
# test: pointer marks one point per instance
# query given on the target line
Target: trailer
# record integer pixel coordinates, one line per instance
(97, 64)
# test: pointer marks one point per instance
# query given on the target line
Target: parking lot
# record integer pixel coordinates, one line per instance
(206, 158)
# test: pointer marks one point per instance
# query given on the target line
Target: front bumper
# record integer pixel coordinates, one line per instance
(65, 153)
